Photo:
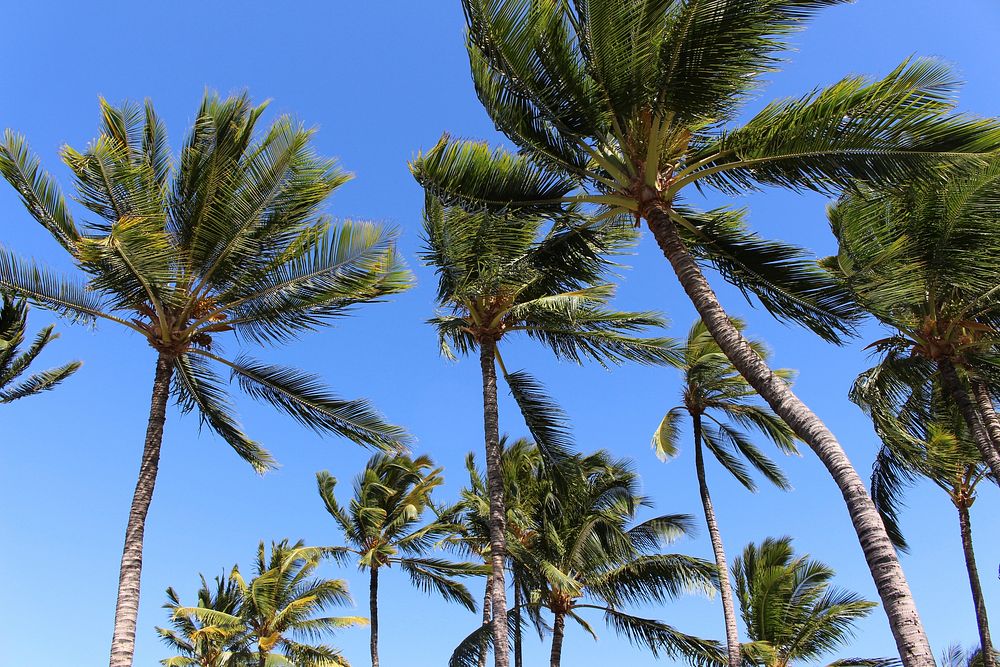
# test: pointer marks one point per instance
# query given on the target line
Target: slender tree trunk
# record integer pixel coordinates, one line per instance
(988, 413)
(725, 586)
(498, 509)
(261, 658)
(558, 630)
(127, 607)
(883, 562)
(518, 601)
(487, 618)
(965, 523)
(373, 611)
(970, 414)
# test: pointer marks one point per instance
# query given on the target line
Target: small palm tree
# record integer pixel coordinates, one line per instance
(499, 275)
(280, 603)
(383, 528)
(714, 391)
(791, 612)
(201, 644)
(14, 363)
(631, 106)
(230, 239)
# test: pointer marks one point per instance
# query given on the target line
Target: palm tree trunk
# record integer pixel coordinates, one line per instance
(487, 618)
(558, 630)
(954, 386)
(127, 607)
(965, 523)
(988, 413)
(498, 509)
(883, 562)
(373, 612)
(725, 586)
(518, 601)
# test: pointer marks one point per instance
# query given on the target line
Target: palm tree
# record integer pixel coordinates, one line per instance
(281, 603)
(591, 556)
(14, 363)
(383, 528)
(714, 391)
(791, 611)
(229, 240)
(923, 260)
(498, 276)
(929, 439)
(629, 106)
(201, 644)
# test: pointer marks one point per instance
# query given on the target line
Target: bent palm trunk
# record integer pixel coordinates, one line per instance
(373, 611)
(498, 509)
(725, 588)
(965, 523)
(883, 562)
(130, 574)
(558, 630)
(988, 413)
(954, 386)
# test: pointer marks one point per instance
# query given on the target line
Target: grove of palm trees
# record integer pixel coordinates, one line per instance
(730, 270)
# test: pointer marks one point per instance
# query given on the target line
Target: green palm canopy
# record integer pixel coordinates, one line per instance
(14, 362)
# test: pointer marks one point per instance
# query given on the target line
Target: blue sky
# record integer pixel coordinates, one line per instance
(380, 81)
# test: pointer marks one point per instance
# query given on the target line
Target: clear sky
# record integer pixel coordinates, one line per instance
(380, 80)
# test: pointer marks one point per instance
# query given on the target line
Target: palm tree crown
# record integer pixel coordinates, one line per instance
(14, 363)
(205, 644)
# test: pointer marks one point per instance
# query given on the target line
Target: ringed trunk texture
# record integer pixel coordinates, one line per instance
(373, 611)
(965, 523)
(914, 649)
(487, 619)
(558, 630)
(498, 508)
(988, 413)
(725, 586)
(130, 574)
(970, 414)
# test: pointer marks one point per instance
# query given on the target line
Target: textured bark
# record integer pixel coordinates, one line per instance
(988, 413)
(373, 611)
(970, 414)
(130, 574)
(518, 601)
(487, 619)
(965, 523)
(897, 601)
(725, 586)
(498, 509)
(558, 630)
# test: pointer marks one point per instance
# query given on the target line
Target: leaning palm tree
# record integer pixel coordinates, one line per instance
(14, 363)
(720, 404)
(280, 604)
(383, 527)
(499, 275)
(230, 239)
(792, 613)
(630, 106)
(591, 556)
(201, 644)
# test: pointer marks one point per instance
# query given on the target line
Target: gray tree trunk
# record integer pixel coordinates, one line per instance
(988, 413)
(130, 574)
(897, 601)
(487, 619)
(970, 414)
(725, 586)
(558, 630)
(498, 509)
(982, 621)
(373, 611)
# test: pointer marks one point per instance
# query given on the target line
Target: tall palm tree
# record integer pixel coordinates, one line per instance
(923, 260)
(280, 604)
(14, 363)
(720, 404)
(228, 239)
(630, 106)
(499, 275)
(382, 526)
(590, 555)
(929, 439)
(201, 644)
(791, 611)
